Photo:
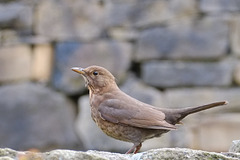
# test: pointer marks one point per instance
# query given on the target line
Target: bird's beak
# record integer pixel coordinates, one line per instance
(78, 70)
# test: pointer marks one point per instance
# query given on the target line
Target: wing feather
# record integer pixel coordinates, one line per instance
(117, 111)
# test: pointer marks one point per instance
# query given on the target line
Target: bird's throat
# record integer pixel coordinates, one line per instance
(86, 80)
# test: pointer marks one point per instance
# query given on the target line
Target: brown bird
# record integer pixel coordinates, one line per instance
(125, 118)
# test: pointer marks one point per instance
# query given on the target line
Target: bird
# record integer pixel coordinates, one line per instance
(125, 118)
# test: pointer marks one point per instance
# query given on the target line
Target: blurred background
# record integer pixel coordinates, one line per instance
(168, 53)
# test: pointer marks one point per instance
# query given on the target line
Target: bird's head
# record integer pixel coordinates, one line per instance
(98, 79)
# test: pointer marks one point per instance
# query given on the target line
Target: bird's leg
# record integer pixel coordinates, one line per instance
(131, 149)
(136, 147)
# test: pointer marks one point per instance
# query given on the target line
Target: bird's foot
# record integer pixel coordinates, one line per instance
(135, 148)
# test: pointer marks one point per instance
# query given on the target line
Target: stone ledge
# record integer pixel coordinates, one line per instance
(164, 153)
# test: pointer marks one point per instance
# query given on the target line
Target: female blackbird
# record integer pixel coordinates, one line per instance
(125, 118)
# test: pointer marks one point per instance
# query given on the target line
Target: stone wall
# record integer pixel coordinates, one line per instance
(163, 52)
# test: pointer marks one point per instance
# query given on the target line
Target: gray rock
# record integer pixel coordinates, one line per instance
(89, 155)
(206, 39)
(186, 97)
(32, 116)
(17, 16)
(28, 2)
(137, 89)
(113, 55)
(123, 34)
(235, 35)
(11, 37)
(136, 12)
(164, 154)
(8, 153)
(236, 73)
(207, 128)
(235, 147)
(67, 21)
(171, 74)
(139, 13)
(219, 6)
(183, 153)
(15, 63)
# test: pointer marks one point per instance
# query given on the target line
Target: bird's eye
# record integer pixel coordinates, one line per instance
(95, 73)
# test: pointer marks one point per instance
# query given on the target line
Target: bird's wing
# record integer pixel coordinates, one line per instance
(133, 114)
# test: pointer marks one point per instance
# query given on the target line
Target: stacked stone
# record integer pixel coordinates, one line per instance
(167, 53)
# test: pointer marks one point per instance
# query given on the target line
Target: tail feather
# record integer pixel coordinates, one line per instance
(191, 110)
(177, 115)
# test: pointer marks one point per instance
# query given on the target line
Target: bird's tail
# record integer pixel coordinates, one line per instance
(191, 110)
(179, 114)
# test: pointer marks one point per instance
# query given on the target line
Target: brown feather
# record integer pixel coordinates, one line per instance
(125, 118)
(134, 113)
